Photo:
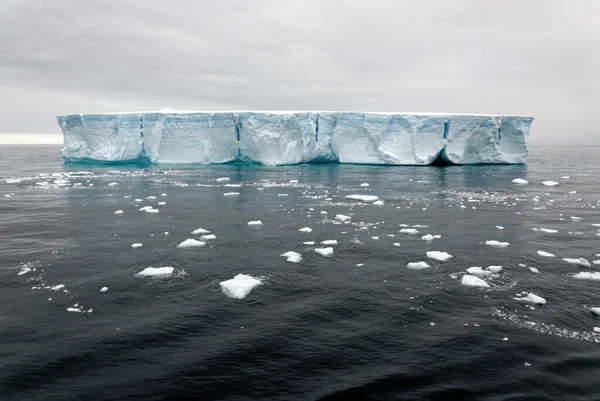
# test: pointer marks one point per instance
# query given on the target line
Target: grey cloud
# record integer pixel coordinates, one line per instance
(503, 57)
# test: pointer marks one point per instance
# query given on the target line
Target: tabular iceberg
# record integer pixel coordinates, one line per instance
(283, 138)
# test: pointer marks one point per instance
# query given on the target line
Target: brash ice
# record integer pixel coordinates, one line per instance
(284, 138)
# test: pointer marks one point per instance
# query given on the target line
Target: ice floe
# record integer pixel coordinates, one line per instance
(411, 231)
(437, 255)
(103, 289)
(119, 212)
(550, 183)
(342, 217)
(223, 179)
(240, 286)
(305, 230)
(324, 251)
(430, 237)
(231, 194)
(208, 237)
(190, 243)
(417, 265)
(473, 281)
(478, 271)
(587, 276)
(293, 257)
(545, 254)
(137, 245)
(200, 231)
(255, 223)
(578, 261)
(156, 271)
(532, 299)
(363, 198)
(329, 242)
(497, 244)
(520, 181)
(495, 269)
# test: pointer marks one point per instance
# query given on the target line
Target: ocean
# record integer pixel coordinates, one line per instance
(77, 321)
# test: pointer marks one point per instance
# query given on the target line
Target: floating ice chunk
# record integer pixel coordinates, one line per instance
(223, 179)
(437, 255)
(545, 254)
(520, 181)
(309, 242)
(73, 310)
(364, 184)
(430, 237)
(7, 196)
(255, 223)
(13, 180)
(500, 227)
(532, 299)
(417, 265)
(478, 271)
(119, 212)
(156, 271)
(419, 226)
(152, 211)
(363, 198)
(305, 230)
(293, 257)
(282, 195)
(410, 231)
(342, 217)
(329, 242)
(595, 310)
(58, 287)
(231, 194)
(596, 262)
(396, 244)
(200, 231)
(495, 269)
(324, 251)
(497, 244)
(550, 183)
(136, 245)
(472, 281)
(533, 270)
(162, 203)
(579, 261)
(548, 230)
(375, 237)
(190, 243)
(143, 209)
(24, 270)
(379, 203)
(240, 286)
(208, 237)
(587, 276)
(150, 197)
(103, 289)
(138, 200)
(113, 184)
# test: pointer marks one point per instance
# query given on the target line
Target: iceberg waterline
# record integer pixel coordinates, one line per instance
(284, 138)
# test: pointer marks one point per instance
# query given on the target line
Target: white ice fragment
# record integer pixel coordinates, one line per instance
(240, 286)
(283, 195)
(520, 181)
(113, 184)
(223, 179)
(119, 212)
(532, 299)
(293, 257)
(497, 244)
(417, 265)
(579, 261)
(364, 184)
(533, 270)
(24, 270)
(136, 245)
(156, 271)
(255, 223)
(143, 209)
(545, 254)
(396, 244)
(500, 227)
(495, 269)
(309, 242)
(430, 237)
(375, 237)
(231, 194)
(200, 231)
(163, 194)
(208, 237)
(478, 271)
(550, 183)
(364, 198)
(73, 310)
(103, 289)
(190, 243)
(150, 197)
(152, 211)
(13, 180)
(58, 287)
(324, 251)
(342, 217)
(595, 310)
(138, 200)
(410, 231)
(305, 230)
(437, 255)
(596, 262)
(587, 276)
(329, 242)
(379, 203)
(548, 230)
(472, 281)
(162, 203)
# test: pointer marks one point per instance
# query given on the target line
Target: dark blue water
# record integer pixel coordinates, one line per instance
(356, 325)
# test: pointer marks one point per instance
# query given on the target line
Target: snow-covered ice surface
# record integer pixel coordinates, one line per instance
(240, 286)
(283, 138)
(62, 244)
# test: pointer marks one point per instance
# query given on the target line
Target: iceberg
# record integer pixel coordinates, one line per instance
(285, 138)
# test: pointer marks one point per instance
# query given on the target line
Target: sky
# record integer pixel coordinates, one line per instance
(534, 57)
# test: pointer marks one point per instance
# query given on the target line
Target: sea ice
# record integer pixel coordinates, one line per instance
(520, 181)
(587, 276)
(364, 184)
(152, 211)
(478, 271)
(103, 289)
(550, 183)
(364, 198)
(293, 257)
(189, 243)
(200, 231)
(410, 231)
(430, 237)
(305, 230)
(255, 223)
(497, 244)
(156, 271)
(324, 251)
(533, 270)
(472, 281)
(548, 230)
(208, 237)
(417, 265)
(223, 179)
(379, 203)
(545, 254)
(532, 299)
(240, 286)
(595, 310)
(579, 261)
(73, 310)
(309, 242)
(119, 212)
(495, 269)
(58, 287)
(342, 217)
(136, 245)
(162, 203)
(437, 255)
(329, 242)
(231, 194)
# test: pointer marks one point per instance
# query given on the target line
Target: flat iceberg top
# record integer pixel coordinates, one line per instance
(280, 112)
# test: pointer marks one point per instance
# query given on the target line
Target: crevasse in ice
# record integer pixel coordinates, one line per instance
(283, 138)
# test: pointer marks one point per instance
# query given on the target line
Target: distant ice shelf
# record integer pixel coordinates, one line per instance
(284, 138)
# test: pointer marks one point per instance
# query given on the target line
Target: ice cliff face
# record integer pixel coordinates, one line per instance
(280, 138)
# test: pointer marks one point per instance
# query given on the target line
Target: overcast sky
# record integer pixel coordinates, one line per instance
(534, 57)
